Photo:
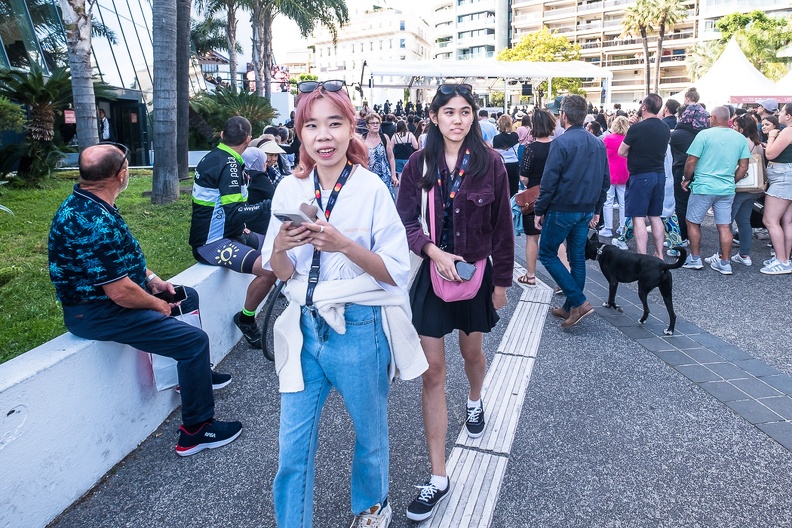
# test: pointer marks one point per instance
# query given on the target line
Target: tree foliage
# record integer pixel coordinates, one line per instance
(12, 116)
(760, 37)
(546, 46)
(665, 15)
(209, 35)
(214, 109)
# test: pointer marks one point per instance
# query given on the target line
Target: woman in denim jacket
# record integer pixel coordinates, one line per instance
(472, 222)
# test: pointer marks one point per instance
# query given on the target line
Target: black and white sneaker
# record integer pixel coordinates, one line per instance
(210, 435)
(219, 380)
(424, 505)
(250, 331)
(475, 421)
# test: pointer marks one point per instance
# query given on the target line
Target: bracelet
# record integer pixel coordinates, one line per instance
(150, 278)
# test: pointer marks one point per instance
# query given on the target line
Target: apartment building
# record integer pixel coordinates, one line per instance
(374, 33)
(470, 29)
(597, 26)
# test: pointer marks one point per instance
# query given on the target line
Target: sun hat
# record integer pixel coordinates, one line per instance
(270, 147)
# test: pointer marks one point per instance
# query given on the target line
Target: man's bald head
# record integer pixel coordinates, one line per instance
(720, 116)
(100, 162)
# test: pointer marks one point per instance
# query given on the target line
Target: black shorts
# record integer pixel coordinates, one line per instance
(237, 254)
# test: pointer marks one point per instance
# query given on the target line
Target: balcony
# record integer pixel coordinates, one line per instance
(594, 6)
(564, 11)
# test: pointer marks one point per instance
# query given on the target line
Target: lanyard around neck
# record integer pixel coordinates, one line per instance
(453, 187)
(313, 275)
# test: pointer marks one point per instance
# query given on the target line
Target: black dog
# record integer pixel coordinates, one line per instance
(624, 266)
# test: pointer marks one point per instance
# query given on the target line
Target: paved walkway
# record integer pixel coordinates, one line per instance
(607, 424)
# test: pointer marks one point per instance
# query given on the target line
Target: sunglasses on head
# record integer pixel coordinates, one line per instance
(461, 89)
(329, 86)
(123, 149)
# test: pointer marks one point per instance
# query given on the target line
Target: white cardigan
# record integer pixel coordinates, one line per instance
(407, 358)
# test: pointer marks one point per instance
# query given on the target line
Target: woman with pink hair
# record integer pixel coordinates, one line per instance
(347, 273)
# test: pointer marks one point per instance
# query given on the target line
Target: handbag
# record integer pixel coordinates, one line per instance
(448, 290)
(166, 375)
(755, 180)
(527, 198)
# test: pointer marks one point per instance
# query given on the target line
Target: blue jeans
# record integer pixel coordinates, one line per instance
(153, 332)
(356, 365)
(572, 227)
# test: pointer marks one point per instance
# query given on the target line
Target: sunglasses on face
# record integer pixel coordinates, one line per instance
(330, 86)
(123, 149)
(461, 89)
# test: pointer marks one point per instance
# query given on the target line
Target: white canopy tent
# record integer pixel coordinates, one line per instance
(484, 75)
(784, 85)
(732, 79)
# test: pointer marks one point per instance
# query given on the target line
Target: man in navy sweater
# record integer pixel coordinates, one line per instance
(572, 192)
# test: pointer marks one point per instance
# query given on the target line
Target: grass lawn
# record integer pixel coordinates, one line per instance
(29, 313)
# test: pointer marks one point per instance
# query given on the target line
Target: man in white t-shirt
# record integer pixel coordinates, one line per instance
(488, 130)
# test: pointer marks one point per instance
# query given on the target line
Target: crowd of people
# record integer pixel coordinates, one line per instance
(376, 279)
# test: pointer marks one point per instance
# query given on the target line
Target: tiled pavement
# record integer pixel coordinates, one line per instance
(749, 386)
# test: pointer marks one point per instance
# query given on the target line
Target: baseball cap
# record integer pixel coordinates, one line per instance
(771, 105)
(270, 147)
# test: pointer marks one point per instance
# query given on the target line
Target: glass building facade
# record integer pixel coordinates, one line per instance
(32, 35)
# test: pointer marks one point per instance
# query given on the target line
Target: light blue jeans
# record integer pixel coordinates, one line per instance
(356, 365)
(572, 227)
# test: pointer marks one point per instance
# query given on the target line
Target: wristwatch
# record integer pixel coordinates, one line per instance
(150, 278)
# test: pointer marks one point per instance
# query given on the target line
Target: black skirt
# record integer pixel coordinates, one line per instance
(434, 317)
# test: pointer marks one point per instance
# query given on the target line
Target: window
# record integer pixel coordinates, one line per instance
(402, 43)
(401, 25)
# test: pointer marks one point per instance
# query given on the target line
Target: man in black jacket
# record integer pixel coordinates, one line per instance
(219, 234)
(575, 180)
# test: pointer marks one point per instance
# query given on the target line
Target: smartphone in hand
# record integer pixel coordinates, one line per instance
(465, 270)
(296, 217)
(167, 296)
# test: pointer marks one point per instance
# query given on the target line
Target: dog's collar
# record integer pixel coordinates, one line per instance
(599, 250)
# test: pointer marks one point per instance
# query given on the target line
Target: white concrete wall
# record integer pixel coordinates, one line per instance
(71, 409)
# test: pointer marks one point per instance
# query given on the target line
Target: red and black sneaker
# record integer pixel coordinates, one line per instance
(210, 435)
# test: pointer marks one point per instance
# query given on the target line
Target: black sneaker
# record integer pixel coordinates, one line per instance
(475, 421)
(219, 380)
(250, 331)
(212, 434)
(424, 505)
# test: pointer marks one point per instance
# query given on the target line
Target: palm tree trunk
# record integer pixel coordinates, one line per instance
(645, 42)
(257, 23)
(659, 55)
(231, 27)
(165, 184)
(77, 21)
(183, 63)
(268, 55)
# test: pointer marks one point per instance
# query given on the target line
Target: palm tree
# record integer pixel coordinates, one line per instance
(183, 64)
(307, 14)
(165, 181)
(44, 96)
(228, 8)
(638, 20)
(77, 17)
(667, 14)
(702, 57)
(209, 35)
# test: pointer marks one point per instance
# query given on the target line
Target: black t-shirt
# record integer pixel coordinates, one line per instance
(505, 140)
(533, 162)
(648, 141)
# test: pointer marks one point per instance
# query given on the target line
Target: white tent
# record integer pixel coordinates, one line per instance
(732, 79)
(484, 75)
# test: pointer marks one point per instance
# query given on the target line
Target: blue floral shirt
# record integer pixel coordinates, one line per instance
(89, 246)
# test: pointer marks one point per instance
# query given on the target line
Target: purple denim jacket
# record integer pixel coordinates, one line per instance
(482, 216)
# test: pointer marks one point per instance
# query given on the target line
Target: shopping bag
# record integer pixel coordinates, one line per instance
(166, 376)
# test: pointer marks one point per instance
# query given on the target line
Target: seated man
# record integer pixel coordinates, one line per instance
(219, 231)
(101, 279)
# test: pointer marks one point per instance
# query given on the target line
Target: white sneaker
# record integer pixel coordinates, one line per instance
(693, 263)
(746, 261)
(777, 268)
(607, 233)
(619, 243)
(720, 267)
(769, 262)
(713, 258)
(375, 517)
(672, 253)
